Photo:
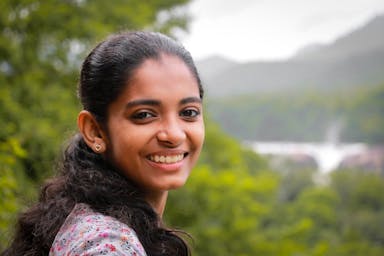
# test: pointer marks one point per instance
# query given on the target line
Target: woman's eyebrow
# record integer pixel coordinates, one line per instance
(190, 100)
(149, 102)
(152, 102)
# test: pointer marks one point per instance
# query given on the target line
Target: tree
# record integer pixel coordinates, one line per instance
(225, 197)
(10, 155)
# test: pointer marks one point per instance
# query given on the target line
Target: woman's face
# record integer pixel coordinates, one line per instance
(155, 127)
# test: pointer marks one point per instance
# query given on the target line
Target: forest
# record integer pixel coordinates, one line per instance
(304, 115)
(234, 203)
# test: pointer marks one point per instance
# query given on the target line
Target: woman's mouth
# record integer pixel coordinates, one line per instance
(167, 159)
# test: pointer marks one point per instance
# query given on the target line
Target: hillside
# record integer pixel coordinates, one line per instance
(354, 59)
(302, 98)
(365, 40)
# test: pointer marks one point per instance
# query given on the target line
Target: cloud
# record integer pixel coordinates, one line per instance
(271, 29)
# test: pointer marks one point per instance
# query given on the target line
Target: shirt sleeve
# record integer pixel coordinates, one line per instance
(107, 242)
(95, 234)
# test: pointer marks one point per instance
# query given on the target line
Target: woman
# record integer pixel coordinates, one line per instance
(141, 131)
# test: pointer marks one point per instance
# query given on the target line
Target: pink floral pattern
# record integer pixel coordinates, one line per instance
(86, 233)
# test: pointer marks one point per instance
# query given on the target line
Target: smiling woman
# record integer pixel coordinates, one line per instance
(141, 131)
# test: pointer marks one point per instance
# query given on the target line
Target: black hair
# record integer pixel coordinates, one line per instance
(111, 65)
(87, 177)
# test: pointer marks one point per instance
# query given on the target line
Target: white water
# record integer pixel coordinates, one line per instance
(328, 156)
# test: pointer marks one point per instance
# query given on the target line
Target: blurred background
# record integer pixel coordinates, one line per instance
(293, 162)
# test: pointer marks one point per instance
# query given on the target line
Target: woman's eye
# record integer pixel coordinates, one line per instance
(143, 115)
(190, 113)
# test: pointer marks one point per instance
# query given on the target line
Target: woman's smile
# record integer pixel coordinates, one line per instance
(166, 159)
(168, 163)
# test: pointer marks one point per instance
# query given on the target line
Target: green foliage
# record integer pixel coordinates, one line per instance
(254, 211)
(362, 205)
(224, 152)
(220, 206)
(12, 185)
(365, 116)
(304, 115)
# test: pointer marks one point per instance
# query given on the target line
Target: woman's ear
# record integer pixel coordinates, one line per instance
(92, 133)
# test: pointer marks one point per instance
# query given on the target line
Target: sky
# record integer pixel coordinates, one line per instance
(256, 30)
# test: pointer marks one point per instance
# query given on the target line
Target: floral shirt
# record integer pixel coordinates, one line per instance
(86, 232)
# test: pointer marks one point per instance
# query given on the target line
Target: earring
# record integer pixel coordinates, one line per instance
(98, 147)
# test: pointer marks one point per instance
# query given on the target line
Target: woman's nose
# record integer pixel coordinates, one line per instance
(171, 133)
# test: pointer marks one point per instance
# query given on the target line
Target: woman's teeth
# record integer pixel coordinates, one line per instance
(166, 159)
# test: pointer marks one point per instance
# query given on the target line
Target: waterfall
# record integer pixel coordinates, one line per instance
(328, 156)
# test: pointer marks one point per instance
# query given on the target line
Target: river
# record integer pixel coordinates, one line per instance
(327, 156)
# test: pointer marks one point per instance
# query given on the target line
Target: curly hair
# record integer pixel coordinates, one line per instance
(87, 177)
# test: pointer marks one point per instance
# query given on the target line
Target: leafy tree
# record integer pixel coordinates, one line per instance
(222, 151)
(224, 197)
(241, 211)
(361, 209)
(365, 116)
(10, 155)
(304, 115)
(222, 209)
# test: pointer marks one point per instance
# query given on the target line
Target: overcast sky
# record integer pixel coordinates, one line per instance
(246, 30)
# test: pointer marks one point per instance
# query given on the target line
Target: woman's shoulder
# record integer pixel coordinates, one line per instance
(86, 232)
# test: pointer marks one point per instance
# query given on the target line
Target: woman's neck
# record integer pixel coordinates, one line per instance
(157, 200)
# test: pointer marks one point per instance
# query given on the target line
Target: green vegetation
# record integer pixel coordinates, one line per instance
(304, 115)
(232, 204)
(232, 208)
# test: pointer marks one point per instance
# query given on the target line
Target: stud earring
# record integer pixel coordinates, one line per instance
(98, 147)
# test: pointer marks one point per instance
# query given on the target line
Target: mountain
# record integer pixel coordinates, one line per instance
(364, 40)
(214, 65)
(355, 59)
